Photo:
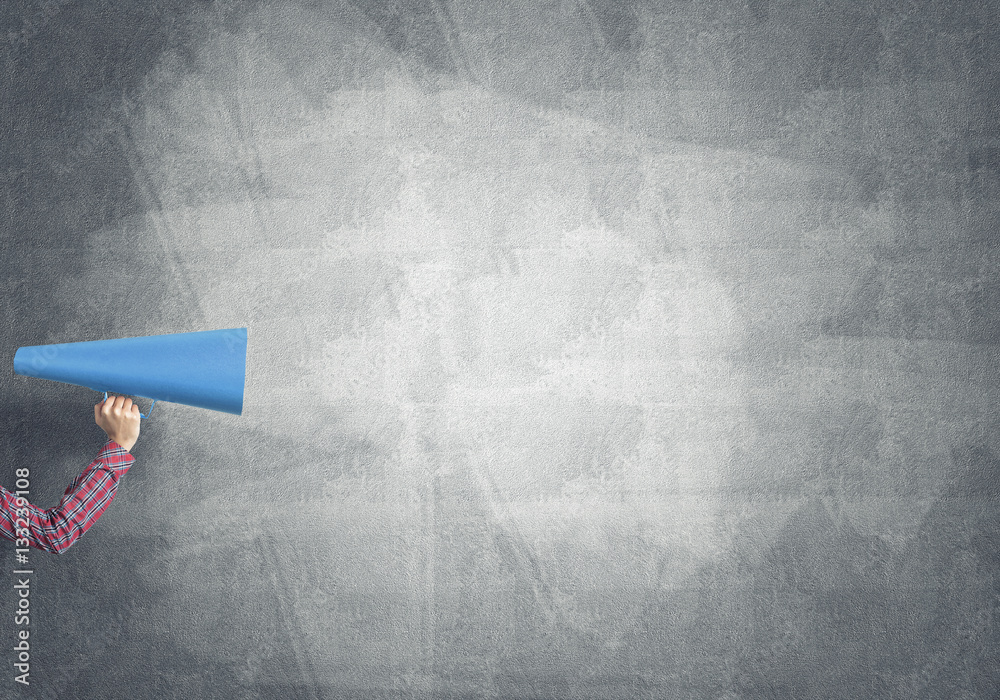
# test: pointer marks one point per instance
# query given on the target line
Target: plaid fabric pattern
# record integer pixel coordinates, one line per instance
(90, 494)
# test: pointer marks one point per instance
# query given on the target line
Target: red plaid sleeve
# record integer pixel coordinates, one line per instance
(90, 494)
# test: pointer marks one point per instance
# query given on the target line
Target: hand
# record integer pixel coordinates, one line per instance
(119, 418)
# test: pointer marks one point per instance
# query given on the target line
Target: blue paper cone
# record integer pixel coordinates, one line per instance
(205, 369)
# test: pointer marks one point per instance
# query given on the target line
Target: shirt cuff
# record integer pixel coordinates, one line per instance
(115, 458)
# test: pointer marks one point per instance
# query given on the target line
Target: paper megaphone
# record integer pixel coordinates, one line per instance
(205, 369)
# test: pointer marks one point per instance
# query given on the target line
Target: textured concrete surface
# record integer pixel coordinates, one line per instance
(597, 349)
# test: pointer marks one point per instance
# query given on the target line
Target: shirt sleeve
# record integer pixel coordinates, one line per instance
(55, 529)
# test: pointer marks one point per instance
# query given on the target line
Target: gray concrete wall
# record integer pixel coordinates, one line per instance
(597, 349)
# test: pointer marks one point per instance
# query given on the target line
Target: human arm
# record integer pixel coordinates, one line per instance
(54, 530)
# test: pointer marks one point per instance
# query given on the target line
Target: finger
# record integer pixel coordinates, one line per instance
(127, 405)
(119, 402)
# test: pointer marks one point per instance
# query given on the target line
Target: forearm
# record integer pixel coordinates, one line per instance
(55, 529)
